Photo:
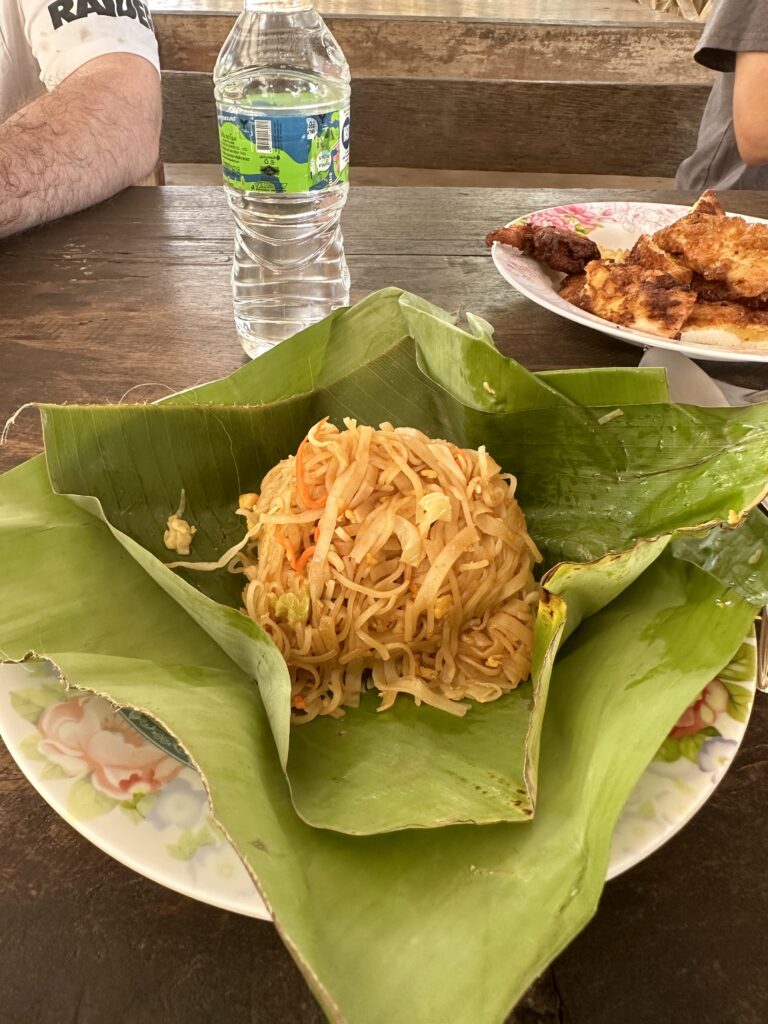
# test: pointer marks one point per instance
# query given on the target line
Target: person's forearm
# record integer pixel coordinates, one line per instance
(97, 133)
(750, 107)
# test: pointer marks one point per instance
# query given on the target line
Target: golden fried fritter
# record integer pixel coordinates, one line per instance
(720, 248)
(720, 291)
(561, 250)
(647, 254)
(574, 288)
(708, 203)
(645, 300)
(723, 322)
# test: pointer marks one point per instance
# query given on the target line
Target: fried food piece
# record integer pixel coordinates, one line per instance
(647, 254)
(574, 289)
(559, 249)
(708, 203)
(721, 248)
(726, 322)
(720, 291)
(645, 300)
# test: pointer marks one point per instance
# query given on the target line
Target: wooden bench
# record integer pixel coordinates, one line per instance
(585, 96)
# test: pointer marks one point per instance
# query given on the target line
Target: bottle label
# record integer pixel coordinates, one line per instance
(284, 154)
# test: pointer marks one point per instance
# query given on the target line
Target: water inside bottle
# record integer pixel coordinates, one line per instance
(289, 269)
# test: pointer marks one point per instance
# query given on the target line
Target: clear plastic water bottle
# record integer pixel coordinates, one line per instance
(282, 98)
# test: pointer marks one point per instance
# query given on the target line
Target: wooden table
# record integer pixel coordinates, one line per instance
(136, 291)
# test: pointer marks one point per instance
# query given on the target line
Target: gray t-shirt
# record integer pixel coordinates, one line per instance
(736, 26)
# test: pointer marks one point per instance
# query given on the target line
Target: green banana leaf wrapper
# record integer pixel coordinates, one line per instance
(639, 508)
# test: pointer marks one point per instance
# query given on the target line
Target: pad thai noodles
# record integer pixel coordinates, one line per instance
(385, 559)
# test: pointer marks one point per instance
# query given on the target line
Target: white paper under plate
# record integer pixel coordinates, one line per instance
(126, 790)
(613, 226)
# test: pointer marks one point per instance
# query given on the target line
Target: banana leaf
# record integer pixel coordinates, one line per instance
(735, 558)
(643, 474)
(321, 356)
(422, 925)
(457, 921)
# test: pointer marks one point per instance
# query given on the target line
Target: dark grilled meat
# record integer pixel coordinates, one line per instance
(561, 250)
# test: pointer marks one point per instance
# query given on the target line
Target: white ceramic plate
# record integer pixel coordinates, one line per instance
(611, 226)
(123, 784)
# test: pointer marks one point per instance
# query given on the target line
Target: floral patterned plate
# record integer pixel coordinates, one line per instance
(124, 784)
(611, 226)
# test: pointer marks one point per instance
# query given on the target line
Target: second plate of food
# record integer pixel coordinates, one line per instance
(650, 274)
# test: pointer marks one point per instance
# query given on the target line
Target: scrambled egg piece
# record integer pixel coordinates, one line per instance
(178, 535)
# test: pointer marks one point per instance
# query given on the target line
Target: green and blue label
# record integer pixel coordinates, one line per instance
(287, 154)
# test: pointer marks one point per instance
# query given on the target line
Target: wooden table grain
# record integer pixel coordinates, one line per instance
(136, 292)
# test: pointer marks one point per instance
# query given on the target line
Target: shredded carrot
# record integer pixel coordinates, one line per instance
(303, 558)
(298, 702)
(297, 561)
(301, 483)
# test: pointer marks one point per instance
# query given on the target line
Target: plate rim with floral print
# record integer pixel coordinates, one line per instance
(125, 785)
(613, 225)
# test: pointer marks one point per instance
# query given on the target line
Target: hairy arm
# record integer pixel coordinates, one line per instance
(750, 107)
(96, 133)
